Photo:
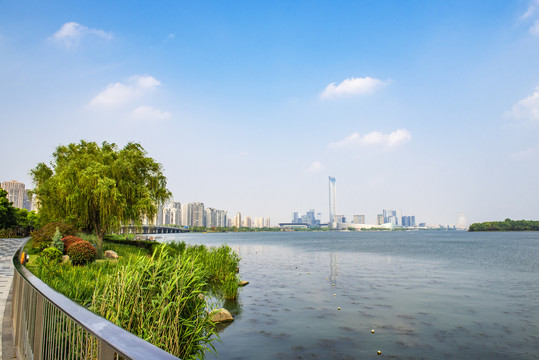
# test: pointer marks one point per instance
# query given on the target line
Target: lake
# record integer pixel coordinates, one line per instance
(426, 295)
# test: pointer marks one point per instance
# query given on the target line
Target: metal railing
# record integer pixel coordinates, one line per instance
(48, 325)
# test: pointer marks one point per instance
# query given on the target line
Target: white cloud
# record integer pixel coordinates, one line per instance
(534, 29)
(531, 9)
(352, 86)
(315, 167)
(527, 109)
(530, 153)
(393, 139)
(119, 94)
(71, 33)
(148, 113)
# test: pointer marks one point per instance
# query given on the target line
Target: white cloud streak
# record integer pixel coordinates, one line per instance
(391, 140)
(148, 113)
(118, 94)
(71, 34)
(527, 109)
(315, 167)
(531, 10)
(534, 29)
(352, 86)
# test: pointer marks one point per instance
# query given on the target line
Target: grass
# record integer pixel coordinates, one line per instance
(153, 290)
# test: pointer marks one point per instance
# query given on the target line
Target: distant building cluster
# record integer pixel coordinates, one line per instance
(309, 218)
(194, 214)
(387, 219)
(18, 195)
(396, 218)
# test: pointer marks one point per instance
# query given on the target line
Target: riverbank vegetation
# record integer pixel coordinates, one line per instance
(97, 188)
(162, 293)
(507, 225)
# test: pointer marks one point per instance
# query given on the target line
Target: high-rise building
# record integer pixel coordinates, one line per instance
(408, 221)
(237, 220)
(192, 214)
(380, 219)
(247, 222)
(332, 196)
(390, 216)
(16, 194)
(268, 222)
(214, 218)
(259, 222)
(359, 219)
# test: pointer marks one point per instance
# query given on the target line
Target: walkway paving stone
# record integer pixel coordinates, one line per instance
(8, 247)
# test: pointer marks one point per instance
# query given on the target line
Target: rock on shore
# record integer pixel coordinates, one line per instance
(221, 316)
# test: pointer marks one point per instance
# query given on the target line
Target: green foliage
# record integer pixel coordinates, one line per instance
(52, 254)
(70, 240)
(8, 213)
(42, 238)
(81, 253)
(76, 282)
(157, 297)
(158, 300)
(99, 187)
(57, 240)
(507, 225)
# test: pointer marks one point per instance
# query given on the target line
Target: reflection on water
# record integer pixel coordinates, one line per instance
(431, 295)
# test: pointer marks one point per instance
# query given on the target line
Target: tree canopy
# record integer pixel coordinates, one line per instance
(98, 188)
(8, 213)
(507, 225)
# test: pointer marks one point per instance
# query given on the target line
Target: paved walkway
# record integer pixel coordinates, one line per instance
(8, 247)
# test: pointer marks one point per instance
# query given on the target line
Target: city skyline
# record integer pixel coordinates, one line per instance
(425, 106)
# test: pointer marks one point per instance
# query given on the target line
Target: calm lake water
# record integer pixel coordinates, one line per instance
(427, 295)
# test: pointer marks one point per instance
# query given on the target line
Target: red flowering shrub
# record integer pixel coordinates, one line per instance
(70, 240)
(81, 253)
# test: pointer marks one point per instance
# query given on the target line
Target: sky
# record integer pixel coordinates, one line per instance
(428, 107)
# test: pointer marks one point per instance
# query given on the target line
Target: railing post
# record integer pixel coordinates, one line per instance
(107, 352)
(38, 327)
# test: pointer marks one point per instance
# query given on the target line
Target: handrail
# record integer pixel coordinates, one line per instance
(46, 323)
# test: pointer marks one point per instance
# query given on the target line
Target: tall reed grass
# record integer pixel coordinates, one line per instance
(158, 299)
(157, 295)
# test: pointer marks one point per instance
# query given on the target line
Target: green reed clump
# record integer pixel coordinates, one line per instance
(76, 282)
(221, 265)
(159, 299)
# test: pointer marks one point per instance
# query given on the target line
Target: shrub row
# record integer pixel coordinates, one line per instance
(42, 238)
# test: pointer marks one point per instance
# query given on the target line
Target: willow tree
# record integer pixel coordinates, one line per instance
(98, 188)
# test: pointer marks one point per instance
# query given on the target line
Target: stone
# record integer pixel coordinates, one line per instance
(111, 254)
(243, 283)
(65, 258)
(221, 316)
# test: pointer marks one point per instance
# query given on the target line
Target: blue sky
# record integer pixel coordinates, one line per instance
(429, 107)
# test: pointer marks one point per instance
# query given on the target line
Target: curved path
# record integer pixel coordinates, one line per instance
(8, 247)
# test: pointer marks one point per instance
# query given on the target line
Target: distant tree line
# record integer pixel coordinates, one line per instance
(507, 225)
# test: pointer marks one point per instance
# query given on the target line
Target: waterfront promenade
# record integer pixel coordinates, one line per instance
(8, 247)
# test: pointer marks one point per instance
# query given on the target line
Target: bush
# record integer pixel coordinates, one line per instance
(57, 241)
(70, 240)
(91, 238)
(81, 253)
(52, 254)
(42, 238)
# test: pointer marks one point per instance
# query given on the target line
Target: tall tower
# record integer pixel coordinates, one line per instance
(331, 199)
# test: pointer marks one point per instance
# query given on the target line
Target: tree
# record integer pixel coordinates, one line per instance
(8, 213)
(98, 188)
